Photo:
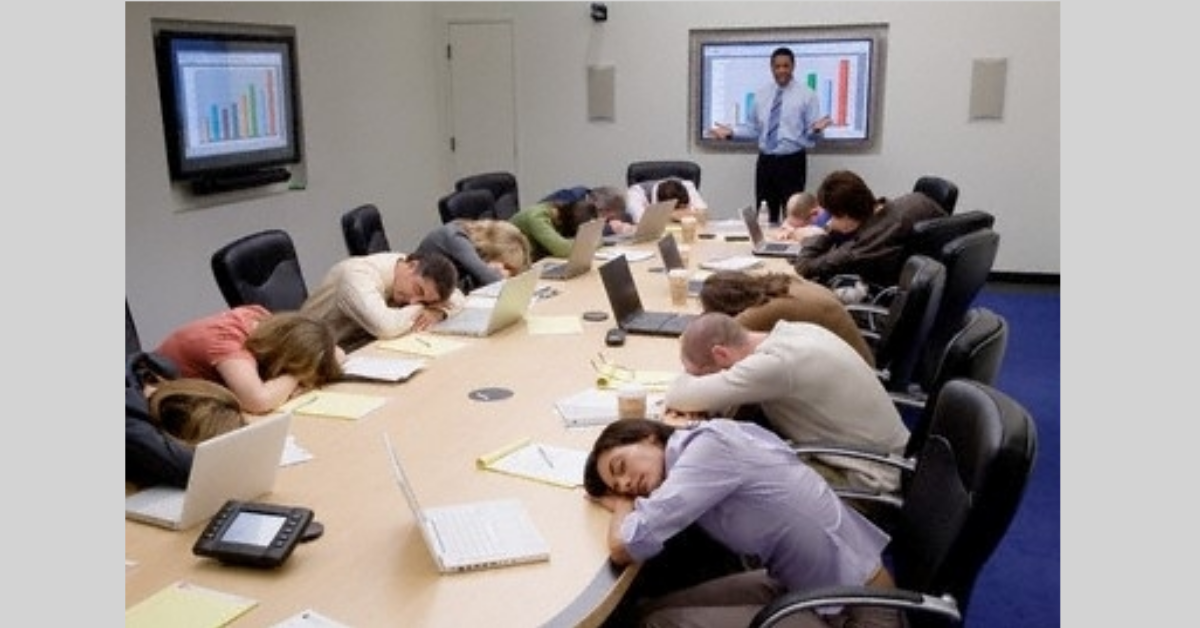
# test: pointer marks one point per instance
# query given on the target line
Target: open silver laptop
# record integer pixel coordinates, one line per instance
(649, 228)
(583, 251)
(762, 246)
(473, 535)
(241, 464)
(510, 306)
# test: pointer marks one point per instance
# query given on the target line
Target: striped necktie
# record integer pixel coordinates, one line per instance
(773, 121)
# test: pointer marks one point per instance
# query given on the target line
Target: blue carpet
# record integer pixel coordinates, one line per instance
(1020, 585)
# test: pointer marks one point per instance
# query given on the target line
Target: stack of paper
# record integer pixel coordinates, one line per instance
(381, 369)
(733, 262)
(598, 406)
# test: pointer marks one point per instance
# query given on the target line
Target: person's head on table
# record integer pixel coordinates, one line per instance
(673, 189)
(423, 279)
(714, 342)
(193, 410)
(500, 244)
(733, 291)
(611, 208)
(848, 200)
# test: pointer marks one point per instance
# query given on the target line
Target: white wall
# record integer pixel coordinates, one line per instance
(373, 82)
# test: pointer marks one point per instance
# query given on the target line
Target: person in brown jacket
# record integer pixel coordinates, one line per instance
(758, 301)
(865, 236)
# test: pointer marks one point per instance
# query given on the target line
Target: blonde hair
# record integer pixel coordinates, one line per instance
(298, 345)
(800, 205)
(500, 241)
(194, 410)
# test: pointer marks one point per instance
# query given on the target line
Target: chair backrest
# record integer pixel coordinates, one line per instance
(261, 268)
(943, 191)
(467, 204)
(975, 352)
(133, 341)
(502, 185)
(362, 227)
(640, 171)
(968, 260)
(929, 236)
(911, 313)
(968, 484)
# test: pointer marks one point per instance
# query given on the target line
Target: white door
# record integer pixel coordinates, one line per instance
(483, 120)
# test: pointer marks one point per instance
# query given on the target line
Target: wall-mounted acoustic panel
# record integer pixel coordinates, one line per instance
(988, 79)
(601, 92)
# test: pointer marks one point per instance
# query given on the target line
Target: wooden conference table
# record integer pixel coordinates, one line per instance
(370, 568)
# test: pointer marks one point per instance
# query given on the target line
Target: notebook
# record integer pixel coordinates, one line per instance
(762, 247)
(236, 465)
(627, 304)
(484, 320)
(473, 535)
(649, 228)
(668, 249)
(587, 240)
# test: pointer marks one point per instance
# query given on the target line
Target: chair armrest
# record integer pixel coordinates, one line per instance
(900, 599)
(906, 465)
(868, 317)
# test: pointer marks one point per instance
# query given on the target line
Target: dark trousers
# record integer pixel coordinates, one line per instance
(776, 178)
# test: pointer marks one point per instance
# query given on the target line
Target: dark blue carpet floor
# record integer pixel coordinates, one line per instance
(1020, 586)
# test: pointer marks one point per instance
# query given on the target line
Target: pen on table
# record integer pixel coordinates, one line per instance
(545, 456)
(423, 341)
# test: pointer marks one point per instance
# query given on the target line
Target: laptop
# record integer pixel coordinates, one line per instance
(510, 306)
(473, 535)
(668, 250)
(627, 305)
(236, 465)
(587, 240)
(651, 227)
(763, 247)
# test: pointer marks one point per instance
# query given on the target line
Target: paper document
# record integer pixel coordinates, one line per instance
(337, 405)
(309, 619)
(633, 255)
(185, 605)
(559, 466)
(733, 262)
(551, 325)
(381, 369)
(428, 345)
(598, 406)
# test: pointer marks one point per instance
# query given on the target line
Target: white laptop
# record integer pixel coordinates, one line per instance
(762, 246)
(510, 306)
(583, 250)
(241, 464)
(473, 535)
(649, 228)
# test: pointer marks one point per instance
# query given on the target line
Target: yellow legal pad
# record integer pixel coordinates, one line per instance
(338, 405)
(185, 605)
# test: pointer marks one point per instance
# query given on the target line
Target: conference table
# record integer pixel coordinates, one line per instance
(370, 567)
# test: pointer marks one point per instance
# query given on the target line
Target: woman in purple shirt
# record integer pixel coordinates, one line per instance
(744, 487)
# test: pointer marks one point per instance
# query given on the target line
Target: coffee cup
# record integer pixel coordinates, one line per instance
(631, 402)
(688, 226)
(678, 280)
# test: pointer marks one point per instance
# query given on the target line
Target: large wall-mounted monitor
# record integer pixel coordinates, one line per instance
(230, 102)
(844, 65)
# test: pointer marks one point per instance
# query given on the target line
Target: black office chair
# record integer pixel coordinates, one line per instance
(362, 227)
(964, 490)
(975, 352)
(898, 333)
(943, 191)
(642, 171)
(968, 260)
(133, 341)
(929, 236)
(502, 185)
(261, 268)
(473, 204)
